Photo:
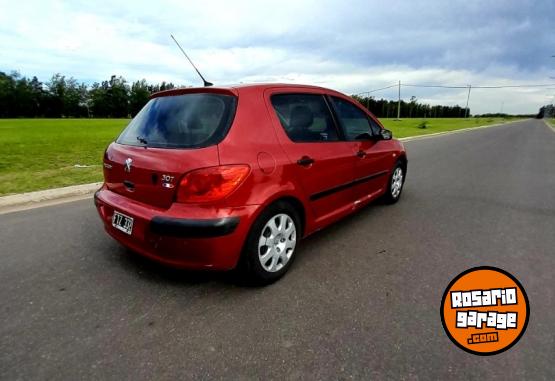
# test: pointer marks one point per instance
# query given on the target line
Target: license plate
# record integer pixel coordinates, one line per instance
(122, 222)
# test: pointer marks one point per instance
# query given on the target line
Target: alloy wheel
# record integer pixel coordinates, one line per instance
(396, 182)
(277, 242)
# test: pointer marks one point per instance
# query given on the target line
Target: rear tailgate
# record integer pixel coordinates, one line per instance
(175, 132)
(151, 175)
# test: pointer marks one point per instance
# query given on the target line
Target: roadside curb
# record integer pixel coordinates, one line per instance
(33, 199)
(410, 138)
(47, 197)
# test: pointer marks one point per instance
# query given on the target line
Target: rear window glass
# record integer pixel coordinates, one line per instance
(181, 121)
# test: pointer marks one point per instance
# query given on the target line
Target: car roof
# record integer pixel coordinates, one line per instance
(237, 88)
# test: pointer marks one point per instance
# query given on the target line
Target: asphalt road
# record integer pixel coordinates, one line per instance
(362, 300)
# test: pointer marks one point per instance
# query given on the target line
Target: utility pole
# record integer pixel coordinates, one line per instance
(368, 101)
(467, 99)
(399, 103)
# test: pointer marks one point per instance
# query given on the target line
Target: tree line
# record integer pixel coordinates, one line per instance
(66, 97)
(547, 111)
(383, 108)
(63, 96)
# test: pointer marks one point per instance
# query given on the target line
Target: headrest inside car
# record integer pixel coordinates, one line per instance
(301, 117)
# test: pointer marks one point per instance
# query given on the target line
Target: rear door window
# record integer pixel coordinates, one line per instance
(353, 120)
(305, 117)
(181, 121)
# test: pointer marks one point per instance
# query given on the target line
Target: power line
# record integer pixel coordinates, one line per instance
(481, 87)
(440, 86)
(372, 91)
(469, 87)
(457, 87)
(513, 86)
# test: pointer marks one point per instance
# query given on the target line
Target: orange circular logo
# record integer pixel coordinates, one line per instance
(485, 310)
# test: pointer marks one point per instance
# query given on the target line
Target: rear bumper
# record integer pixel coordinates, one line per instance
(182, 236)
(187, 228)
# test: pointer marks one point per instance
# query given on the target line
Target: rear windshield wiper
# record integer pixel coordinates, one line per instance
(142, 140)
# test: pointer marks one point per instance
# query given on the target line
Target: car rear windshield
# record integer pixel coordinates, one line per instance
(181, 121)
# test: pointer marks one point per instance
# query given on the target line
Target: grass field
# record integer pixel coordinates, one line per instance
(42, 153)
(49, 153)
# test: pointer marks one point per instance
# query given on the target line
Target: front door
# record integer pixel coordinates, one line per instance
(320, 160)
(372, 166)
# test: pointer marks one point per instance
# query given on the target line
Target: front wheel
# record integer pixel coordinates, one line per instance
(271, 243)
(395, 185)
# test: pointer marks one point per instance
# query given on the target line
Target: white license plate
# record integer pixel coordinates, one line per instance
(122, 222)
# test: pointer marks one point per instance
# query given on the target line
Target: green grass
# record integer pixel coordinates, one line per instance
(42, 153)
(409, 127)
(552, 122)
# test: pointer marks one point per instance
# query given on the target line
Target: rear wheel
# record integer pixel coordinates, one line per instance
(395, 185)
(271, 244)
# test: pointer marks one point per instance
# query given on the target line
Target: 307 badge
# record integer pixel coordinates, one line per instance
(167, 181)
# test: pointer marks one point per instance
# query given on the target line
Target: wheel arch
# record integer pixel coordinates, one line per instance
(403, 160)
(299, 207)
(294, 202)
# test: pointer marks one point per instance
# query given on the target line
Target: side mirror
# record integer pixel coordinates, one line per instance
(386, 134)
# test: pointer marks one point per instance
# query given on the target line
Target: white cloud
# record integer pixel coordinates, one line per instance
(351, 47)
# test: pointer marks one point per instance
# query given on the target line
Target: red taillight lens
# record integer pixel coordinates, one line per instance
(211, 184)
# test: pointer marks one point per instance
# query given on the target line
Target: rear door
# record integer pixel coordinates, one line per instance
(320, 160)
(373, 156)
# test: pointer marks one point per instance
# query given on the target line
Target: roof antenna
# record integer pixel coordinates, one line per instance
(206, 83)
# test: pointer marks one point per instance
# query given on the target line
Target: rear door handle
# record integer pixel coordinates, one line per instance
(361, 154)
(305, 161)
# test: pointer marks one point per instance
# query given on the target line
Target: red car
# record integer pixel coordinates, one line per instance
(226, 177)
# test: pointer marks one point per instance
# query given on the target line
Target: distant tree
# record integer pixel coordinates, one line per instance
(412, 105)
(138, 96)
(74, 100)
(23, 98)
(7, 94)
(98, 98)
(118, 97)
(547, 111)
(37, 94)
(110, 99)
(56, 96)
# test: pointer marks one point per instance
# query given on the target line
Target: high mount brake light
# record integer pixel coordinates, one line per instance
(211, 184)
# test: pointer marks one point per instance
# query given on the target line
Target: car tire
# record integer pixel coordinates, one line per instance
(271, 244)
(395, 184)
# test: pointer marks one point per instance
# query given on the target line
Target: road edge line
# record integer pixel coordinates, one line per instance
(436, 134)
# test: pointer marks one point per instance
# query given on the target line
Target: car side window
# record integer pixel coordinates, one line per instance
(305, 117)
(354, 121)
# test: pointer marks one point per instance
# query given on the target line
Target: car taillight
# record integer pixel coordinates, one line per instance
(211, 184)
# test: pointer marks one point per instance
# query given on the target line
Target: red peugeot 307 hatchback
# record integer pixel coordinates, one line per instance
(226, 177)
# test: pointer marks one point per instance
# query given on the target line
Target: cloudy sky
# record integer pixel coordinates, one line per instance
(351, 46)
